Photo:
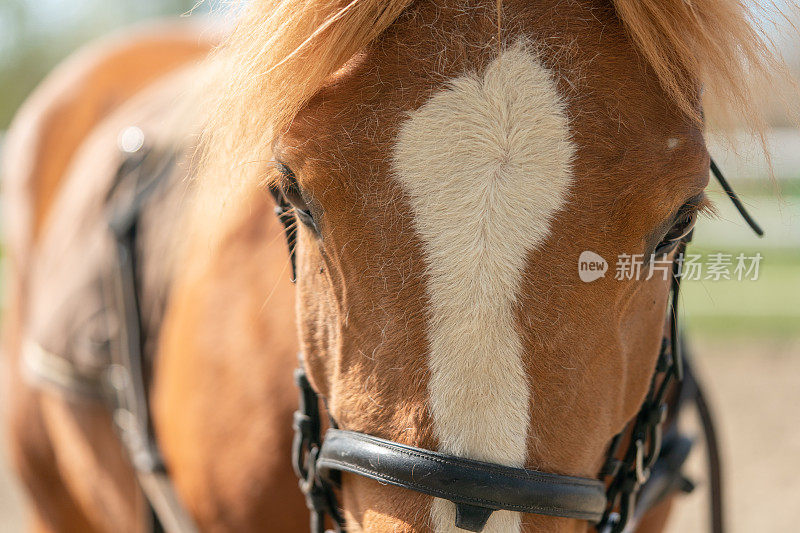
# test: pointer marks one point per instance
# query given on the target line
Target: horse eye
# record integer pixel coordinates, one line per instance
(292, 194)
(680, 231)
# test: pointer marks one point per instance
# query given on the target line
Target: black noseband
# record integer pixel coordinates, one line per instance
(477, 488)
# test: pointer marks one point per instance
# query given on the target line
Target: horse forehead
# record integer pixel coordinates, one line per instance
(615, 102)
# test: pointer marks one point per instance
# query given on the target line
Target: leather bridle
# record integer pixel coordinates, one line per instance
(478, 488)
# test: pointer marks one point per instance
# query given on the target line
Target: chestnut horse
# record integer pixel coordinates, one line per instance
(447, 163)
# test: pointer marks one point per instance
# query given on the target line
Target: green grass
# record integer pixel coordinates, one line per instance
(766, 308)
(762, 309)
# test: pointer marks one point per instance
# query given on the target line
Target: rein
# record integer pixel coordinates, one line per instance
(479, 488)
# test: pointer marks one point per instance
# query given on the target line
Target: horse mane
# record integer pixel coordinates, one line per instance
(719, 43)
(281, 53)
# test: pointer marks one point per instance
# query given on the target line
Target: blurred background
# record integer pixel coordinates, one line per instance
(745, 334)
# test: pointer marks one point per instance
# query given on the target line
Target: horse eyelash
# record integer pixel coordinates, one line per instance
(706, 207)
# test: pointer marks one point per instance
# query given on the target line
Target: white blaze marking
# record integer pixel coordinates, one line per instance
(486, 164)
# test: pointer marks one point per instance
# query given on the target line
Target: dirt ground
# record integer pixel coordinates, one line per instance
(755, 390)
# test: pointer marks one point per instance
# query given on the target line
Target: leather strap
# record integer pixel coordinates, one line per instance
(144, 173)
(477, 488)
(48, 369)
(168, 512)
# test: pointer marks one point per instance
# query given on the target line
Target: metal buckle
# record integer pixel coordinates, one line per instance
(611, 523)
(640, 469)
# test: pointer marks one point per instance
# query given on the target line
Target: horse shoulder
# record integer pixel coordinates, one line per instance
(224, 395)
